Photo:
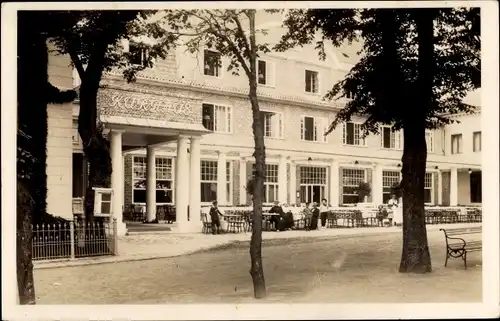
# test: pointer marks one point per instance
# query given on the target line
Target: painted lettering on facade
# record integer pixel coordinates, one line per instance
(148, 106)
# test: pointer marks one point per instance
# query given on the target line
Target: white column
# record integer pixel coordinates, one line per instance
(282, 183)
(440, 188)
(117, 179)
(454, 187)
(182, 184)
(243, 181)
(334, 183)
(377, 185)
(194, 182)
(293, 183)
(150, 184)
(221, 179)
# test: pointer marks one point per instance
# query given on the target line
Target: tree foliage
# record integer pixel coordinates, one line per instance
(95, 42)
(416, 66)
(456, 53)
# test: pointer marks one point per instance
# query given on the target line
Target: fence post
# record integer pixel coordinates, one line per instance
(72, 237)
(115, 236)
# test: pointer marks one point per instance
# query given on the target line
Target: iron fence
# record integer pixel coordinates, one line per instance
(74, 239)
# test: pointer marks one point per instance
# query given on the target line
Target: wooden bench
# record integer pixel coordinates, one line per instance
(457, 247)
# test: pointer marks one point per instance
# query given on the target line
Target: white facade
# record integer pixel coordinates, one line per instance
(185, 98)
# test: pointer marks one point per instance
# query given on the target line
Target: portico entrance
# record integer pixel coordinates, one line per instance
(136, 120)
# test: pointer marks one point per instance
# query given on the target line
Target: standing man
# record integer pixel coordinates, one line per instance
(315, 215)
(323, 210)
(214, 216)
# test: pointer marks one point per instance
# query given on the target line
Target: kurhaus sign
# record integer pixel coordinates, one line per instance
(148, 104)
(134, 104)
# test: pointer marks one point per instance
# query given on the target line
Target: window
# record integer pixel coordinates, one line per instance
(272, 124)
(216, 118)
(475, 187)
(352, 134)
(456, 144)
(229, 183)
(389, 179)
(351, 178)
(164, 180)
(429, 140)
(270, 183)
(80, 174)
(349, 94)
(312, 184)
(390, 139)
(312, 81)
(208, 181)
(476, 141)
(428, 197)
(137, 54)
(313, 129)
(212, 63)
(262, 72)
(265, 73)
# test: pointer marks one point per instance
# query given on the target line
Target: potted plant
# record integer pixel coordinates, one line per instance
(397, 190)
(364, 190)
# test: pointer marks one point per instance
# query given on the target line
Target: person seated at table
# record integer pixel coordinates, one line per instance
(215, 218)
(288, 220)
(275, 219)
(315, 216)
(382, 214)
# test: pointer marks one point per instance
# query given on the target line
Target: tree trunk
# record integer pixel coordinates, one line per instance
(257, 269)
(95, 145)
(24, 266)
(416, 256)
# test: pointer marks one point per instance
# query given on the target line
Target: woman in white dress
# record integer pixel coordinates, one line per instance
(397, 211)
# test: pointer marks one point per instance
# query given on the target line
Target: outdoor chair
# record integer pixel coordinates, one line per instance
(248, 223)
(331, 220)
(207, 225)
(170, 215)
(235, 224)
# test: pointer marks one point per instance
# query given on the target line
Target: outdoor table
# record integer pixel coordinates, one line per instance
(266, 218)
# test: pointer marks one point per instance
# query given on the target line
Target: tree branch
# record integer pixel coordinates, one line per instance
(231, 44)
(240, 29)
(77, 62)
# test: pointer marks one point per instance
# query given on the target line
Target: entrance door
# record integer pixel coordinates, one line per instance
(311, 193)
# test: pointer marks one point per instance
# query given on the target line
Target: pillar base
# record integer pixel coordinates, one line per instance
(121, 229)
(189, 227)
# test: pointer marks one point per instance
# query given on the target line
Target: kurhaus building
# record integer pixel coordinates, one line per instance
(186, 125)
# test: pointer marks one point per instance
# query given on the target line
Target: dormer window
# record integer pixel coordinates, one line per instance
(212, 63)
(138, 55)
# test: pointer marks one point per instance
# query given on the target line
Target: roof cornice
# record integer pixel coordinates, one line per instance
(230, 91)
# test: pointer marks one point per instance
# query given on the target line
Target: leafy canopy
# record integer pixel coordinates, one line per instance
(456, 53)
(226, 31)
(84, 34)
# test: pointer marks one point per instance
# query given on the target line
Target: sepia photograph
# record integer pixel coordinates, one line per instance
(238, 160)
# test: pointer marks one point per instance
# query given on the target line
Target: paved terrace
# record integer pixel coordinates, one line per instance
(170, 244)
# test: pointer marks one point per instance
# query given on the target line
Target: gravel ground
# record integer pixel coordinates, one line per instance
(357, 269)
